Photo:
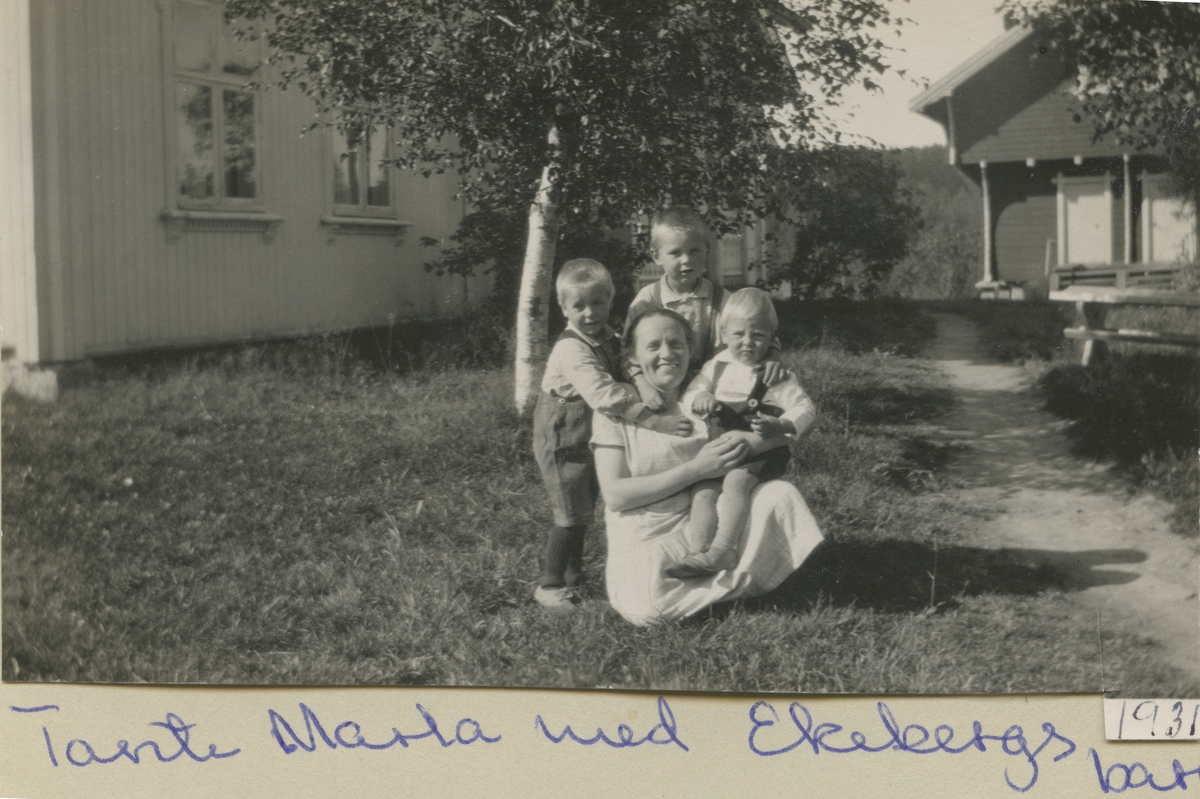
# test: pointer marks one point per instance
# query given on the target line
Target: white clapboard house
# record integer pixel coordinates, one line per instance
(150, 199)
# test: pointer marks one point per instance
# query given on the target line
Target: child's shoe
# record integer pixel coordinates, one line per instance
(563, 599)
(702, 564)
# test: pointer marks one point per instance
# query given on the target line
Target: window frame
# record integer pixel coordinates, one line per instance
(178, 205)
(361, 219)
(363, 210)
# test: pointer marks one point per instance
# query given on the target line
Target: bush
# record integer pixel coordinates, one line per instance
(1142, 411)
(1128, 406)
(479, 340)
(887, 326)
(1015, 331)
(1174, 476)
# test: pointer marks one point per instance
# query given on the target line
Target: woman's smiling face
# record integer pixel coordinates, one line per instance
(660, 347)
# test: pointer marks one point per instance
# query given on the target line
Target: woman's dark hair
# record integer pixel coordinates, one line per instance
(688, 335)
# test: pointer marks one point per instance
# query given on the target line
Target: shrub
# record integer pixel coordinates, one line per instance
(1128, 406)
(479, 340)
(1021, 330)
(887, 326)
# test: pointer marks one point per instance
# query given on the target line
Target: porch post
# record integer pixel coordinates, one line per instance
(1128, 203)
(952, 149)
(989, 268)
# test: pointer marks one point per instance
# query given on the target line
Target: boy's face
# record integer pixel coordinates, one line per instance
(586, 307)
(748, 339)
(681, 254)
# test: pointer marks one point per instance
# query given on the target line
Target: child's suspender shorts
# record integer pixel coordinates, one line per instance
(562, 430)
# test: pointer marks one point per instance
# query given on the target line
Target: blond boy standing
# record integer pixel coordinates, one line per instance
(583, 374)
(679, 246)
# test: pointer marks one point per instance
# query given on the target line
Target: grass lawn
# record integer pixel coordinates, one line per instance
(296, 513)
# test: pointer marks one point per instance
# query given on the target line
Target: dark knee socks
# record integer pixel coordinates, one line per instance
(573, 576)
(564, 556)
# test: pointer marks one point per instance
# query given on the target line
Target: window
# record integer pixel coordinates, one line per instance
(361, 178)
(215, 119)
(364, 193)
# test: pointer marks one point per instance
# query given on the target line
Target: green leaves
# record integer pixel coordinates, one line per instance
(851, 217)
(1137, 71)
(668, 98)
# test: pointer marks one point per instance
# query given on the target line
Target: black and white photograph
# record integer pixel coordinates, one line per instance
(395, 342)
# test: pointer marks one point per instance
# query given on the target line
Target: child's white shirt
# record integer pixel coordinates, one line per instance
(729, 380)
(573, 370)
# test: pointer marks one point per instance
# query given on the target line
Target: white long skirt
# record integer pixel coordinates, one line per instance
(780, 533)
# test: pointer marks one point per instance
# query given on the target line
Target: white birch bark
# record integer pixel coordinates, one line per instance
(534, 297)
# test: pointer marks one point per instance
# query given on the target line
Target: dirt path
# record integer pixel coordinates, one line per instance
(1118, 553)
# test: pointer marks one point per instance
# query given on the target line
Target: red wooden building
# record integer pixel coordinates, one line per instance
(1052, 197)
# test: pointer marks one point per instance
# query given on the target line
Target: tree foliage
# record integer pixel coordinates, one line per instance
(656, 100)
(581, 114)
(851, 221)
(943, 258)
(1137, 71)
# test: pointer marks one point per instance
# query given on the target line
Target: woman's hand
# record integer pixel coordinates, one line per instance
(667, 425)
(720, 456)
(773, 372)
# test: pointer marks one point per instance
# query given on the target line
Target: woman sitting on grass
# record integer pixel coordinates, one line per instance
(645, 478)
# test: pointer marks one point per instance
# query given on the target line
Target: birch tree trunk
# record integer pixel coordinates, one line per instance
(534, 297)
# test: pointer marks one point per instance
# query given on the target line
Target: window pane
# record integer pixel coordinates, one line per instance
(238, 56)
(194, 37)
(194, 127)
(345, 167)
(377, 177)
(240, 172)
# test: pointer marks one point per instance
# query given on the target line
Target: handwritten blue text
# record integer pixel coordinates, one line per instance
(79, 752)
(665, 732)
(913, 738)
(349, 734)
(1119, 778)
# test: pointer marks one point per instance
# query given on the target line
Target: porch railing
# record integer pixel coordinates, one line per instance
(1150, 276)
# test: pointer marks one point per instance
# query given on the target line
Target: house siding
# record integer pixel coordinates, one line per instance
(116, 280)
(1026, 207)
(1013, 121)
(1019, 108)
(1026, 203)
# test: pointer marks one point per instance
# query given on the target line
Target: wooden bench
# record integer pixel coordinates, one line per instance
(1092, 303)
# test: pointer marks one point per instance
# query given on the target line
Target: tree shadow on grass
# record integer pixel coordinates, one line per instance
(896, 576)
